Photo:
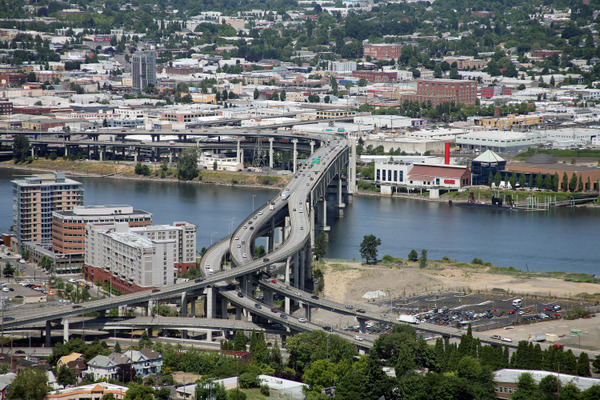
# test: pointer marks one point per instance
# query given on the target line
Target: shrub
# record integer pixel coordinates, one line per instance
(264, 390)
(249, 380)
(234, 394)
(477, 261)
(413, 255)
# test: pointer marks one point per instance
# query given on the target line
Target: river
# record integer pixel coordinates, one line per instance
(564, 239)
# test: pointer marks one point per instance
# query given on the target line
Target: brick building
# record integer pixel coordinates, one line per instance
(376, 76)
(68, 227)
(382, 51)
(440, 91)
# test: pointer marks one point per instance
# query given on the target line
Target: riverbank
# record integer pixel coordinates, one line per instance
(86, 168)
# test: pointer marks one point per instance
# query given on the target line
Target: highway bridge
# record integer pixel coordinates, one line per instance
(288, 224)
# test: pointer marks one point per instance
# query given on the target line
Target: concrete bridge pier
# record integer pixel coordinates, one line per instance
(286, 229)
(149, 309)
(211, 299)
(136, 155)
(352, 168)
(223, 306)
(307, 313)
(101, 156)
(287, 305)
(312, 146)
(193, 306)
(238, 314)
(296, 271)
(326, 227)
(340, 197)
(362, 325)
(184, 304)
(295, 155)
(48, 335)
(65, 323)
(271, 155)
(302, 270)
(209, 335)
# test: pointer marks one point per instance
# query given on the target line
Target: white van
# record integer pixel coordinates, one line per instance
(517, 303)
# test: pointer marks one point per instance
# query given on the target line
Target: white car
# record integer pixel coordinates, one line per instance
(302, 320)
(359, 338)
(506, 339)
(22, 261)
(244, 255)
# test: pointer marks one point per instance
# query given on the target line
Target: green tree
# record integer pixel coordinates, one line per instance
(275, 96)
(413, 255)
(423, 259)
(249, 380)
(117, 348)
(522, 181)
(30, 384)
(8, 270)
(368, 248)
(538, 181)
(141, 169)
(66, 376)
(20, 148)
(187, 166)
(497, 178)
(573, 183)
(564, 185)
(139, 392)
(320, 374)
(596, 363)
(239, 341)
(583, 365)
(321, 245)
(554, 185)
(513, 179)
(256, 94)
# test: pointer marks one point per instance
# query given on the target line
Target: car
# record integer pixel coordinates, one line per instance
(5, 289)
(254, 217)
(314, 296)
(77, 306)
(240, 294)
(495, 337)
(199, 279)
(260, 213)
(237, 238)
(8, 319)
(251, 228)
(360, 310)
(546, 308)
(22, 261)
(556, 307)
(72, 280)
(265, 259)
(19, 351)
(512, 311)
(245, 227)
(349, 307)
(307, 184)
(301, 228)
(293, 209)
(328, 329)
(312, 179)
(359, 338)
(506, 339)
(207, 266)
(274, 310)
(302, 320)
(256, 305)
(249, 222)
(527, 311)
(273, 281)
(283, 316)
(557, 314)
(155, 290)
(239, 246)
(244, 255)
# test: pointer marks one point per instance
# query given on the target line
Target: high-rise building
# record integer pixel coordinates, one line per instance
(143, 69)
(34, 200)
(68, 227)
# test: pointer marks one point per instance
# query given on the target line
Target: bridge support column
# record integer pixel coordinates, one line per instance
(48, 335)
(209, 336)
(150, 308)
(326, 228)
(239, 151)
(66, 150)
(307, 313)
(170, 156)
(301, 271)
(287, 282)
(211, 299)
(312, 146)
(271, 155)
(312, 212)
(184, 304)
(122, 311)
(296, 271)
(362, 325)
(193, 306)
(65, 330)
(286, 229)
(33, 152)
(295, 155)
(223, 308)
(101, 156)
(268, 297)
(238, 314)
(136, 155)
(352, 168)
(340, 195)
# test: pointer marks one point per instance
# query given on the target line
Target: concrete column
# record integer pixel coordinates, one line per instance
(312, 146)
(170, 156)
(65, 330)
(271, 155)
(308, 264)
(33, 152)
(184, 304)
(66, 150)
(326, 228)
(238, 313)
(312, 211)
(209, 336)
(301, 272)
(150, 308)
(295, 155)
(48, 335)
(223, 308)
(287, 282)
(211, 299)
(352, 167)
(307, 313)
(296, 269)
(136, 155)
(101, 155)
(268, 297)
(361, 325)
(193, 306)
(238, 152)
(286, 229)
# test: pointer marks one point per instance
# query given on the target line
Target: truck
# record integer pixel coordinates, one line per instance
(517, 303)
(409, 319)
(538, 337)
(285, 194)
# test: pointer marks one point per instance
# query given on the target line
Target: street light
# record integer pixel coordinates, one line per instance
(211, 236)
(231, 225)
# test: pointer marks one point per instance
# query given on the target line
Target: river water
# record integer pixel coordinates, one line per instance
(564, 239)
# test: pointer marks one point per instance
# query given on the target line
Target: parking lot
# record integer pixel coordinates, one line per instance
(482, 311)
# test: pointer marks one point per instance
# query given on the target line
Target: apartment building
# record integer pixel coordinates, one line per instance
(134, 259)
(440, 91)
(35, 198)
(68, 227)
(382, 51)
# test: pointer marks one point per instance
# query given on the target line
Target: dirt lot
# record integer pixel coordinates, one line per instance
(347, 281)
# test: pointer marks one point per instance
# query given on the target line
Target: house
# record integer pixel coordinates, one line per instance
(506, 380)
(94, 391)
(64, 360)
(116, 365)
(5, 381)
(103, 367)
(440, 176)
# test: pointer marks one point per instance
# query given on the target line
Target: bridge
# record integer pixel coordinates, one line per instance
(288, 224)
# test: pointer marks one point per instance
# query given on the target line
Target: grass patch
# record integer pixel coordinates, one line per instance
(253, 394)
(340, 267)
